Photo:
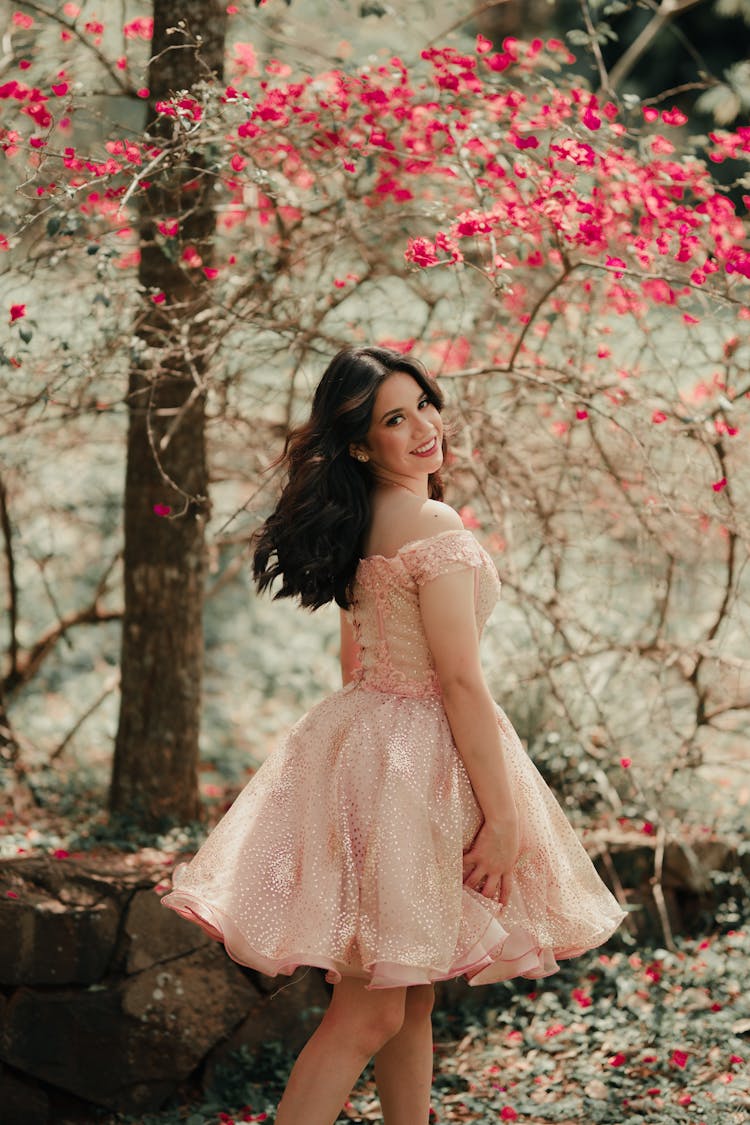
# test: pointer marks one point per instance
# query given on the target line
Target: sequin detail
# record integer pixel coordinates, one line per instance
(344, 851)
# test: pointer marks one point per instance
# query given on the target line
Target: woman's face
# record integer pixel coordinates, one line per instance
(404, 441)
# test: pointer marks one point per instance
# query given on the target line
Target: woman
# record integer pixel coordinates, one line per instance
(400, 835)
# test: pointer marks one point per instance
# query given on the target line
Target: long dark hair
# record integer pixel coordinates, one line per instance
(312, 540)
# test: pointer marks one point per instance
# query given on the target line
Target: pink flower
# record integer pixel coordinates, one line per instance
(659, 291)
(673, 116)
(719, 485)
(162, 509)
(618, 1059)
(16, 312)
(421, 252)
(679, 1058)
(499, 62)
(468, 517)
(581, 414)
(140, 28)
(507, 1113)
(658, 417)
(158, 298)
(11, 894)
(590, 118)
(626, 763)
(191, 257)
(60, 853)
(615, 263)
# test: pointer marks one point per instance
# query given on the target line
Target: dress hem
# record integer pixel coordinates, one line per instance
(498, 955)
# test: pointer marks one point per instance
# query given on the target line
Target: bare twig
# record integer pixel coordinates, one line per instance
(472, 15)
(605, 85)
(42, 10)
(28, 663)
(542, 300)
(664, 14)
(112, 683)
(657, 889)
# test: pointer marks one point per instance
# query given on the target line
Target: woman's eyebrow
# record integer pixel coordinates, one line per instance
(399, 409)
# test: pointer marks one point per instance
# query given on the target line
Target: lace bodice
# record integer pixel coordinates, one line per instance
(394, 655)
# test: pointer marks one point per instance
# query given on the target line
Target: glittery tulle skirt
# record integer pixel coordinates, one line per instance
(344, 851)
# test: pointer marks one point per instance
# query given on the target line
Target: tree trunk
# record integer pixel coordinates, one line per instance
(154, 778)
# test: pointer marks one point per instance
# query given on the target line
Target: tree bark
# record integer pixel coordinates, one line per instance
(154, 779)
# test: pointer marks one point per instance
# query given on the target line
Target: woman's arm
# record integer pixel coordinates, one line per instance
(349, 649)
(447, 606)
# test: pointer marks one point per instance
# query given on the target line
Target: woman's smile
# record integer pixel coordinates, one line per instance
(406, 426)
(427, 448)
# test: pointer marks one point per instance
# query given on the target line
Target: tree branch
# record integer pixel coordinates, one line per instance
(41, 10)
(111, 684)
(28, 664)
(664, 14)
(605, 84)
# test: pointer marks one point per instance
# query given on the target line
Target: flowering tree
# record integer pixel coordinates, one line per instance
(569, 268)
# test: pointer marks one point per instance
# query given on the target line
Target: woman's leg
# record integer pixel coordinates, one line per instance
(403, 1066)
(354, 1028)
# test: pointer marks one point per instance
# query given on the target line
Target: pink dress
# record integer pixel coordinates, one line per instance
(345, 849)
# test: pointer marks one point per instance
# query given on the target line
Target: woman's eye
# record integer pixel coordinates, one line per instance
(393, 420)
(424, 402)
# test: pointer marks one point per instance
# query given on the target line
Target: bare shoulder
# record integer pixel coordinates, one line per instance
(406, 518)
(435, 517)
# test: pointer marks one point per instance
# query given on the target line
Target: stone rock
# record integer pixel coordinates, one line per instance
(289, 1015)
(128, 1047)
(156, 934)
(20, 1102)
(61, 926)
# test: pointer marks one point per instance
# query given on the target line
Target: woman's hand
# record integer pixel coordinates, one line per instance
(489, 862)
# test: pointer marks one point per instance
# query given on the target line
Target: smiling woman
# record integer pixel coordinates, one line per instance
(400, 835)
(314, 538)
(405, 436)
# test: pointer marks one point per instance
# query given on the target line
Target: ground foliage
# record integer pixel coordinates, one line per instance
(613, 1039)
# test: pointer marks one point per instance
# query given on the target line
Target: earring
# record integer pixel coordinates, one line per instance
(361, 456)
